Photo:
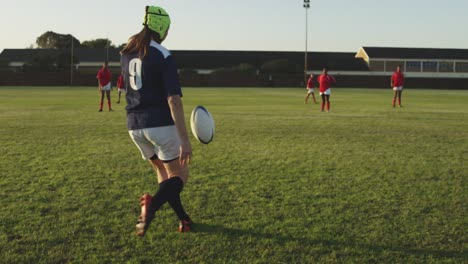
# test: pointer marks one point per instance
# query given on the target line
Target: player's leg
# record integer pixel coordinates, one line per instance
(144, 142)
(171, 179)
(161, 146)
(118, 101)
(108, 99)
(399, 97)
(169, 190)
(323, 100)
(306, 98)
(101, 101)
(313, 97)
(178, 174)
(327, 97)
(395, 94)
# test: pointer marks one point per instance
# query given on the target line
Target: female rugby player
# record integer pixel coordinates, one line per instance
(396, 82)
(325, 91)
(155, 115)
(104, 77)
(310, 89)
(120, 86)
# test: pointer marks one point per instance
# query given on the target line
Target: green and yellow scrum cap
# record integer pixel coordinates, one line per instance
(157, 19)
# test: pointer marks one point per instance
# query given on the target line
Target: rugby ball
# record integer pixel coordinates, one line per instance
(202, 124)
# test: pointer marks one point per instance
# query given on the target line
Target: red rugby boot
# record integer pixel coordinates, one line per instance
(185, 226)
(144, 219)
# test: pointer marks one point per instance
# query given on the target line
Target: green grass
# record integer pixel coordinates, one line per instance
(281, 183)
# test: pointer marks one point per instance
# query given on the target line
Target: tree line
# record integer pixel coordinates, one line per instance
(56, 51)
(52, 40)
(56, 56)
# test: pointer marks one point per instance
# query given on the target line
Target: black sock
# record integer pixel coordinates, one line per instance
(166, 190)
(174, 199)
(176, 205)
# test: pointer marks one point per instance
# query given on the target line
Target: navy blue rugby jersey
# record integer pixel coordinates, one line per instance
(149, 82)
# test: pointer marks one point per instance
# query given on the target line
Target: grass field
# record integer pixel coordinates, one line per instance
(281, 183)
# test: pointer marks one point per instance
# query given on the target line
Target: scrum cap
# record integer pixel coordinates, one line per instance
(157, 19)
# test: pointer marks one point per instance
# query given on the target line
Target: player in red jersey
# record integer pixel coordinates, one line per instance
(310, 89)
(104, 77)
(396, 82)
(325, 91)
(120, 86)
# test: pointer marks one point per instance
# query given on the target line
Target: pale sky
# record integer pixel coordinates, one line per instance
(278, 25)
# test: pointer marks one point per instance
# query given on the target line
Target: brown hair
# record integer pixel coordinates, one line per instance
(139, 43)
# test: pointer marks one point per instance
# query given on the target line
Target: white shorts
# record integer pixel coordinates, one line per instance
(310, 90)
(327, 92)
(398, 88)
(162, 141)
(121, 90)
(106, 87)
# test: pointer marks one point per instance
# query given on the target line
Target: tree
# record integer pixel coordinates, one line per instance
(97, 43)
(121, 46)
(52, 40)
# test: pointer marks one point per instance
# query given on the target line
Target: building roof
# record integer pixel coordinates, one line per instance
(415, 53)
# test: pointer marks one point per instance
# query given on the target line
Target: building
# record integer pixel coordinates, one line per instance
(417, 62)
(369, 67)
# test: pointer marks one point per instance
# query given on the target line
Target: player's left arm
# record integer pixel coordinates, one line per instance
(98, 76)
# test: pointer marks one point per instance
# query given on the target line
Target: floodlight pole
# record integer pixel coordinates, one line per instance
(71, 62)
(306, 7)
(107, 49)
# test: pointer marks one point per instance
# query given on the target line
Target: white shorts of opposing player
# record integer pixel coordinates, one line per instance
(398, 88)
(327, 92)
(106, 87)
(162, 141)
(310, 90)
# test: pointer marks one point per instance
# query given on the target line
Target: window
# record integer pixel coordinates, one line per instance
(377, 66)
(391, 65)
(446, 66)
(430, 66)
(462, 67)
(413, 66)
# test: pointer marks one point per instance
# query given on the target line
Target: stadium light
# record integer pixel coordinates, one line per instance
(107, 48)
(306, 7)
(71, 61)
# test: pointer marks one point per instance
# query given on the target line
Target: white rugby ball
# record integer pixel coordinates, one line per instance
(202, 124)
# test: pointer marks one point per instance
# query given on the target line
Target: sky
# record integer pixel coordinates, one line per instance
(270, 25)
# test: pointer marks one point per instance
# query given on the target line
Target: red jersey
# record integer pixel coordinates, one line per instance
(325, 81)
(120, 82)
(104, 76)
(310, 83)
(398, 79)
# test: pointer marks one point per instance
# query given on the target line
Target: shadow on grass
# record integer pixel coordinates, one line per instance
(233, 232)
